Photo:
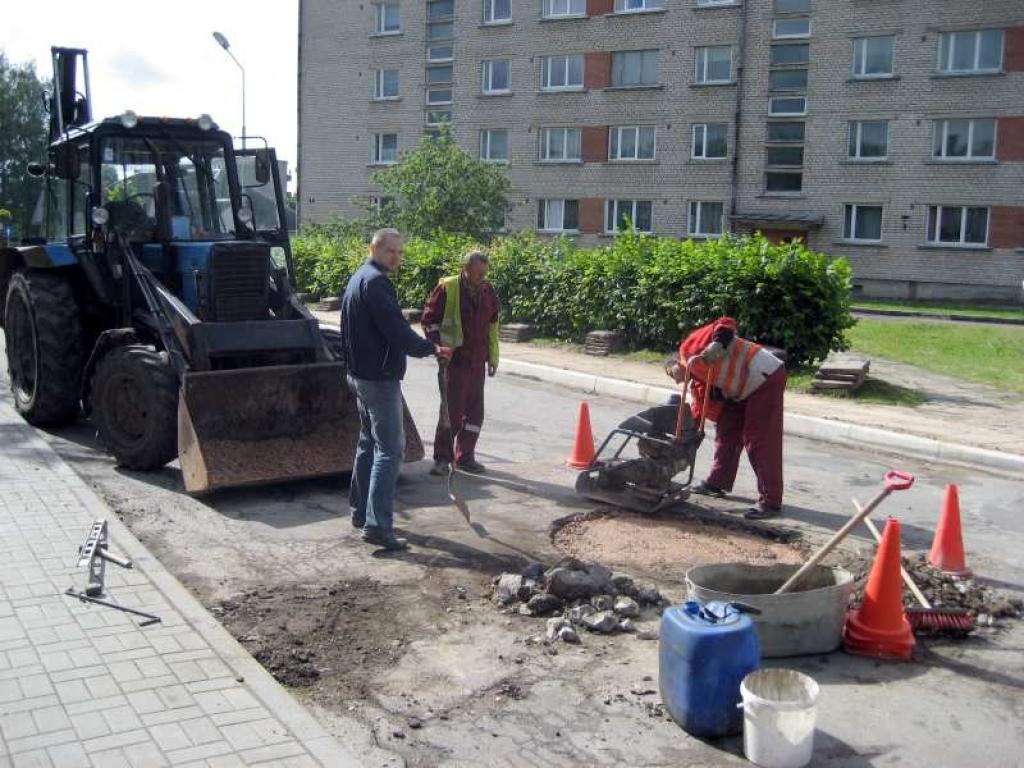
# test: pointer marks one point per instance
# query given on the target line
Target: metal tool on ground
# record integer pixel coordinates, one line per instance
(926, 619)
(149, 617)
(894, 481)
(446, 422)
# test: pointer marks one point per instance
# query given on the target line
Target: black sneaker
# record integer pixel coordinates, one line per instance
(440, 468)
(762, 512)
(704, 489)
(472, 466)
(385, 541)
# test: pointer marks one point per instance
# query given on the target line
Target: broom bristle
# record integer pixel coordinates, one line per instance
(938, 620)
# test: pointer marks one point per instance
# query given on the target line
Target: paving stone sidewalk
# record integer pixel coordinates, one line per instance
(85, 685)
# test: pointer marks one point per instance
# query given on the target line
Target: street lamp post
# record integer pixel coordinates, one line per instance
(223, 43)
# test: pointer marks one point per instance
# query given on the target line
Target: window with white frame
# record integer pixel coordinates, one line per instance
(439, 96)
(710, 141)
(440, 53)
(783, 182)
(558, 215)
(638, 6)
(787, 80)
(440, 75)
(790, 54)
(869, 140)
(635, 68)
(618, 214)
(792, 6)
(497, 76)
(784, 29)
(385, 149)
(389, 19)
(714, 64)
(785, 132)
(973, 139)
(631, 142)
(440, 9)
(873, 56)
(784, 156)
(781, 106)
(705, 219)
(562, 73)
(494, 145)
(386, 84)
(957, 225)
(717, 2)
(441, 30)
(560, 145)
(862, 223)
(557, 9)
(438, 116)
(497, 11)
(972, 52)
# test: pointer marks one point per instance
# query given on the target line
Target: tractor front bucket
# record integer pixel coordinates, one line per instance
(252, 426)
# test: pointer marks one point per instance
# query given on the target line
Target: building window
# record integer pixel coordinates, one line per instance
(386, 84)
(705, 219)
(790, 53)
(784, 29)
(971, 52)
(783, 181)
(497, 76)
(792, 6)
(632, 69)
(785, 132)
(388, 18)
(439, 75)
(619, 212)
(497, 11)
(631, 142)
(494, 145)
(710, 141)
(385, 148)
(714, 64)
(444, 30)
(872, 56)
(559, 9)
(717, 2)
(862, 223)
(439, 96)
(791, 156)
(439, 53)
(439, 116)
(965, 139)
(440, 9)
(780, 106)
(560, 145)
(562, 73)
(869, 140)
(957, 225)
(638, 6)
(558, 215)
(787, 80)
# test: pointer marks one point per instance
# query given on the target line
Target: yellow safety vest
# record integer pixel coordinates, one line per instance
(451, 323)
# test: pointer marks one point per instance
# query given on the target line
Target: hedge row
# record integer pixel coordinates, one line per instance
(652, 289)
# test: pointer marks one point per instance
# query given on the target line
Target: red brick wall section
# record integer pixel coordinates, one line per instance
(591, 216)
(600, 7)
(1013, 49)
(595, 144)
(1006, 230)
(1010, 139)
(597, 69)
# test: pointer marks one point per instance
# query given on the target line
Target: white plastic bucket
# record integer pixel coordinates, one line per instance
(778, 717)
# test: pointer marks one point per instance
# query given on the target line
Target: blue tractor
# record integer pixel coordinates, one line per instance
(156, 294)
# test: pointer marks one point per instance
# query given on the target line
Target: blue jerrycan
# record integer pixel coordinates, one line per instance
(704, 652)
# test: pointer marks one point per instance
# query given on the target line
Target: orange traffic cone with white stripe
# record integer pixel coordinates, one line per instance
(948, 545)
(583, 449)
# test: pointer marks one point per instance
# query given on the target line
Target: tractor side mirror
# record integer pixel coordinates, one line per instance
(36, 170)
(262, 163)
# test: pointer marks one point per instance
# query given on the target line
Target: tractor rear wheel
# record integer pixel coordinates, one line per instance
(134, 396)
(44, 348)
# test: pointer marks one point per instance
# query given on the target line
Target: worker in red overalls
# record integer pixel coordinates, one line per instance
(747, 385)
(463, 310)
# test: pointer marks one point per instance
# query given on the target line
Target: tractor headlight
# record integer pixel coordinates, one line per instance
(245, 215)
(129, 119)
(100, 215)
(205, 122)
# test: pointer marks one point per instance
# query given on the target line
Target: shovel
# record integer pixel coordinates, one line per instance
(446, 423)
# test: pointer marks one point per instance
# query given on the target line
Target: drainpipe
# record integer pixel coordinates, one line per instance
(741, 48)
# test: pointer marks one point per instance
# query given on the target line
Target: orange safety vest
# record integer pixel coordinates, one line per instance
(732, 374)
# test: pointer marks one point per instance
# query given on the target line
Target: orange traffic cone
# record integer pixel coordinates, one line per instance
(583, 451)
(948, 545)
(879, 627)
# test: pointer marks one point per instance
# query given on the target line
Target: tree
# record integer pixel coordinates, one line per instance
(440, 187)
(23, 129)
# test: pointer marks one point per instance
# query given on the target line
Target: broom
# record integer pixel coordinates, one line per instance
(926, 619)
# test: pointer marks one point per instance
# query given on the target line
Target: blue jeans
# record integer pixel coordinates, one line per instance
(379, 453)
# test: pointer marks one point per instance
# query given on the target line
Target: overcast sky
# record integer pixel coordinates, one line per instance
(160, 58)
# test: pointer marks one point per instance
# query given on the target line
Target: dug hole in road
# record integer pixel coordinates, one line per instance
(407, 658)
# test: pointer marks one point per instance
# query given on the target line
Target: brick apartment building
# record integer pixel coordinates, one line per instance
(890, 132)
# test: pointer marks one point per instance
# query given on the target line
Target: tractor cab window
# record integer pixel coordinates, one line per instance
(56, 210)
(260, 196)
(195, 173)
(80, 196)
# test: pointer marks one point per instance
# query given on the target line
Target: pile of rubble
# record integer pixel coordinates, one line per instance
(577, 595)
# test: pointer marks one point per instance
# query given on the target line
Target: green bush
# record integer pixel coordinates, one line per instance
(652, 289)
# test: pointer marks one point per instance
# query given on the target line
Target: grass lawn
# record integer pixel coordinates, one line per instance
(939, 308)
(986, 354)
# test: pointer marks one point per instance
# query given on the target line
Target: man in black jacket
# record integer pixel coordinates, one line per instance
(376, 340)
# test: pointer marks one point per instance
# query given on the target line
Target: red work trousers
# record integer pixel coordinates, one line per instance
(754, 424)
(466, 410)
